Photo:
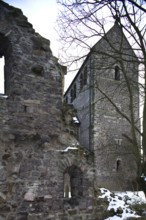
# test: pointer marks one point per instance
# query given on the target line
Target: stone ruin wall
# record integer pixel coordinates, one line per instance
(33, 135)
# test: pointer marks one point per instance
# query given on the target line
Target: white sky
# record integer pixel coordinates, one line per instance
(42, 15)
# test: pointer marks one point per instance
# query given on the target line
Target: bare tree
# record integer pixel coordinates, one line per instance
(82, 22)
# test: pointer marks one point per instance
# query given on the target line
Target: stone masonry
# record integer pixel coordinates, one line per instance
(44, 172)
(99, 92)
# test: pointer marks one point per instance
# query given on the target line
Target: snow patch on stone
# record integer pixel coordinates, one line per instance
(75, 120)
(69, 148)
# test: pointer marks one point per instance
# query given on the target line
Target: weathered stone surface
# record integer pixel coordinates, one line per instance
(39, 70)
(2, 197)
(103, 130)
(41, 162)
(34, 135)
(22, 216)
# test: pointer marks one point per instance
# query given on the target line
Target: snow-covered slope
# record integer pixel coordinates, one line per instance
(119, 203)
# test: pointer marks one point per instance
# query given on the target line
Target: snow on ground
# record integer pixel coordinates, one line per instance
(120, 201)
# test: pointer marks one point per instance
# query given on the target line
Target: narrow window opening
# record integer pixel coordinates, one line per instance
(66, 99)
(118, 165)
(85, 75)
(117, 73)
(67, 186)
(81, 81)
(25, 108)
(75, 91)
(2, 76)
(83, 78)
(71, 95)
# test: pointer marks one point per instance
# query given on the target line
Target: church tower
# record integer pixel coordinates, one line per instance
(105, 94)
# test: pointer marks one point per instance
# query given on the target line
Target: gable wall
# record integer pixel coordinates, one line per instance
(110, 128)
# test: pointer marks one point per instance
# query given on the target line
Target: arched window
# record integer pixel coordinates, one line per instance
(118, 165)
(117, 73)
(2, 77)
(73, 182)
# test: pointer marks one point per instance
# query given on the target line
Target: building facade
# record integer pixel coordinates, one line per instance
(43, 172)
(105, 94)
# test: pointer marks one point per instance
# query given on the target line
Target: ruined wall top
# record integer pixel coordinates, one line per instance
(33, 78)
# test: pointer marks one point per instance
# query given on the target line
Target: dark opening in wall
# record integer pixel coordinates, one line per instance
(66, 99)
(25, 108)
(73, 182)
(73, 92)
(2, 78)
(85, 75)
(117, 73)
(118, 165)
(67, 186)
(71, 95)
(81, 81)
(83, 78)
(6, 58)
